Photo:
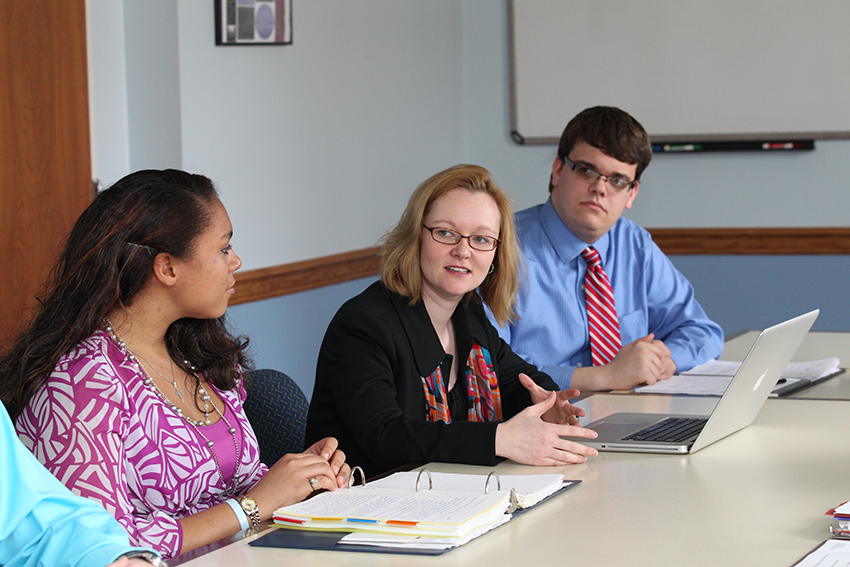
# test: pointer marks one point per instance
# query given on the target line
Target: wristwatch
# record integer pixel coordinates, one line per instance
(148, 556)
(249, 506)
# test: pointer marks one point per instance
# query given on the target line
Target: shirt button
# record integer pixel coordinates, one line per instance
(578, 365)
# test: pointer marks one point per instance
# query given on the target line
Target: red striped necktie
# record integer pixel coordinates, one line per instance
(601, 311)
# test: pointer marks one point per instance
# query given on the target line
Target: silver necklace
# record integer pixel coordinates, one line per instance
(173, 379)
(195, 424)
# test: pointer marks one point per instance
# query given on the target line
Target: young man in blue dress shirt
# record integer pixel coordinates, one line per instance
(663, 330)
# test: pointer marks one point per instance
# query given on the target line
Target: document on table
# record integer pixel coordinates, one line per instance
(414, 542)
(843, 510)
(713, 377)
(530, 489)
(831, 553)
(840, 527)
(416, 512)
(432, 513)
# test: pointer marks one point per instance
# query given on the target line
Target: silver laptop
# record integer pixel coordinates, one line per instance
(737, 408)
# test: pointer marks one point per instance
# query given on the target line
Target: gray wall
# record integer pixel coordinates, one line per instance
(316, 147)
(286, 332)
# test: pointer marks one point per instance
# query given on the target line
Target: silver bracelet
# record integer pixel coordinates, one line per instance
(240, 513)
(145, 555)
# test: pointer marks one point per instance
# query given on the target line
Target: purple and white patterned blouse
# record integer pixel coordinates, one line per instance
(107, 436)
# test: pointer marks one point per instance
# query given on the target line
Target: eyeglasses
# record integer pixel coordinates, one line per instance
(451, 237)
(615, 183)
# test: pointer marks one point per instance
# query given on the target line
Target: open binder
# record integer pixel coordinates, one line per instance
(836, 550)
(410, 512)
(840, 527)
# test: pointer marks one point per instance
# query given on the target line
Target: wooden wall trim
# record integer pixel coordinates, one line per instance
(265, 283)
(721, 241)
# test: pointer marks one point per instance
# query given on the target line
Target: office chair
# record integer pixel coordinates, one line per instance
(277, 410)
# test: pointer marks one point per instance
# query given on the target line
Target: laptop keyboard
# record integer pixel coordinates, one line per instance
(670, 430)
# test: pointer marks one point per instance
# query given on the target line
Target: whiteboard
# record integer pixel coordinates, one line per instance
(714, 70)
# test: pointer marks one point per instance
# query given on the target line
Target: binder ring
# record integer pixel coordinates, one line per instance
(362, 476)
(487, 482)
(419, 477)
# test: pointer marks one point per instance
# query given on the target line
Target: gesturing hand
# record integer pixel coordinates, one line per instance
(527, 439)
(562, 412)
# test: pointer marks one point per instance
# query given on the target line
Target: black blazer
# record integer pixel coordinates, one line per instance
(368, 392)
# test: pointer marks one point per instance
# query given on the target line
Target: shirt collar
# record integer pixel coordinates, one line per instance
(427, 350)
(567, 245)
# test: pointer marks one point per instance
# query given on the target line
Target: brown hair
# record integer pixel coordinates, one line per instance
(400, 268)
(613, 131)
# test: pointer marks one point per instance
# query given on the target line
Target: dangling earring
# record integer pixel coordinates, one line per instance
(492, 267)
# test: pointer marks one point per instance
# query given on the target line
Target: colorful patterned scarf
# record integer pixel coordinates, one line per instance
(482, 388)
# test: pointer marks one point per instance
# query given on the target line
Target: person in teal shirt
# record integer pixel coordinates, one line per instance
(43, 523)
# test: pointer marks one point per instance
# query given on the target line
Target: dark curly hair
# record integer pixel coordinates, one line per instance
(107, 259)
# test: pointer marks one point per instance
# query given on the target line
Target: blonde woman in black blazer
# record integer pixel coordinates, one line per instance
(411, 370)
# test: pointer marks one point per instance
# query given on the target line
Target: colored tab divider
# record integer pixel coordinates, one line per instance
(362, 521)
(296, 521)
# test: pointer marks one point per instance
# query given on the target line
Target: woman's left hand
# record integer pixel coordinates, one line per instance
(563, 412)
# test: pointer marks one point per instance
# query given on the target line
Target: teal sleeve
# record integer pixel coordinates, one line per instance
(42, 522)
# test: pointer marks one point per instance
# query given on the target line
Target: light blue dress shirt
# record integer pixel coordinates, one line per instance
(41, 522)
(651, 296)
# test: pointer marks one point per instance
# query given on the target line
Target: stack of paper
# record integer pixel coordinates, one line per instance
(411, 542)
(390, 512)
(841, 525)
(430, 513)
(713, 377)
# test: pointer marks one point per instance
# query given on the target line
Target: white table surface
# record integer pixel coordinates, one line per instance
(757, 497)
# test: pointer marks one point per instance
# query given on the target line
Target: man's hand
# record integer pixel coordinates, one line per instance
(644, 361)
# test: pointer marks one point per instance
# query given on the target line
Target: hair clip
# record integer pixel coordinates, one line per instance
(148, 248)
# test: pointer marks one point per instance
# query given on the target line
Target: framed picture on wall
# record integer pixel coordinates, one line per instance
(253, 22)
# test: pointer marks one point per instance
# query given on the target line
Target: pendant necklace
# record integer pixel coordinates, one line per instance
(229, 491)
(173, 379)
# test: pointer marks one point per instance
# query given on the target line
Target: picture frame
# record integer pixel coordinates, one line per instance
(253, 22)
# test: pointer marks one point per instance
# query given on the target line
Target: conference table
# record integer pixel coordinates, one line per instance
(757, 497)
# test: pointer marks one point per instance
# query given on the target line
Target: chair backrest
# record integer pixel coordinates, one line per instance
(277, 410)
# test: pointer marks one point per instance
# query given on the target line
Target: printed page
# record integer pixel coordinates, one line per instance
(524, 484)
(415, 542)
(713, 377)
(832, 553)
(690, 384)
(807, 370)
(448, 508)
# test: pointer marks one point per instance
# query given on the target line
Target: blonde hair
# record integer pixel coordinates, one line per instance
(400, 267)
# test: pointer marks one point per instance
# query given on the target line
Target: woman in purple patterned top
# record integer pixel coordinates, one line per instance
(127, 384)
